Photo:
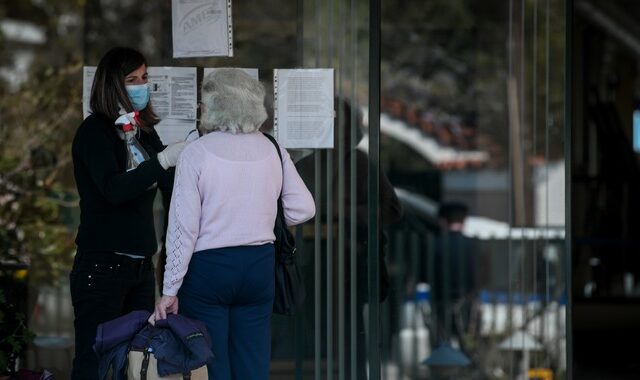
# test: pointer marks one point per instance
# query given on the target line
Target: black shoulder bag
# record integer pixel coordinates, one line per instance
(289, 292)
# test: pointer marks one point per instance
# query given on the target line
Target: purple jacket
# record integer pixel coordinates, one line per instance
(179, 344)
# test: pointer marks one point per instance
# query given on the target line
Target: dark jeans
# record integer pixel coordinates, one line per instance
(105, 286)
(231, 291)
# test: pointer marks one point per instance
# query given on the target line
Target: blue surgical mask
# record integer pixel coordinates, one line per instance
(138, 95)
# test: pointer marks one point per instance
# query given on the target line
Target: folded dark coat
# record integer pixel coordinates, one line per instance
(179, 344)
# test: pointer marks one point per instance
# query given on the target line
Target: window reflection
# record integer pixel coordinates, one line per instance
(472, 105)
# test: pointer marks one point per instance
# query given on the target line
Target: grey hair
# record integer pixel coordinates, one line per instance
(233, 102)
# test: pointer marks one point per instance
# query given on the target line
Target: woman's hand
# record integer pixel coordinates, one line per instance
(166, 305)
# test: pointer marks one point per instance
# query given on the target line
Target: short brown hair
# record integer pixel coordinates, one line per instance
(109, 93)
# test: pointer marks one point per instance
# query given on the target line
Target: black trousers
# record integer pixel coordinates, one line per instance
(105, 286)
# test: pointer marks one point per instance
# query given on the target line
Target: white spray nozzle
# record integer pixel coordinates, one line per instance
(128, 118)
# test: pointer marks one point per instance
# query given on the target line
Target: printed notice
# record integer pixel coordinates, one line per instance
(202, 28)
(173, 98)
(303, 107)
(253, 73)
(173, 92)
(88, 73)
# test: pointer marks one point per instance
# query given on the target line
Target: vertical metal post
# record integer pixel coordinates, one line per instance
(414, 240)
(318, 269)
(374, 189)
(568, 173)
(329, 221)
(523, 171)
(534, 107)
(300, 32)
(354, 318)
(431, 279)
(318, 228)
(299, 337)
(510, 197)
(341, 199)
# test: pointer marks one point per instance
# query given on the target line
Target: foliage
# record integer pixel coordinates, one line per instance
(34, 169)
(14, 334)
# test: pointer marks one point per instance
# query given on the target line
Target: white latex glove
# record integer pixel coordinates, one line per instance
(169, 156)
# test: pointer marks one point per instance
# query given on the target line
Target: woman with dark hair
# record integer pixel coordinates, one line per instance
(112, 272)
(220, 253)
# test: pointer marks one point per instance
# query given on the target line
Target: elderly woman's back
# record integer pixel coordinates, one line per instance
(220, 255)
(225, 195)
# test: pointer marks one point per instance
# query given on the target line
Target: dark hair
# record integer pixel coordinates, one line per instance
(453, 212)
(109, 92)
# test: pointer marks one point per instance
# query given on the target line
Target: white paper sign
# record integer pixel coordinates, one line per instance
(202, 28)
(252, 72)
(303, 107)
(173, 97)
(88, 73)
(173, 92)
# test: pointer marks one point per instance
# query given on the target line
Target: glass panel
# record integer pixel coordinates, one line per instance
(472, 132)
(336, 35)
(604, 180)
(467, 246)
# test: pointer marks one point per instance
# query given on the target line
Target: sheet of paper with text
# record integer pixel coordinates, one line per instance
(88, 73)
(174, 98)
(202, 28)
(303, 107)
(253, 73)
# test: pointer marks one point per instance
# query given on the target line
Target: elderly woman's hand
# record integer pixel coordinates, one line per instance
(166, 305)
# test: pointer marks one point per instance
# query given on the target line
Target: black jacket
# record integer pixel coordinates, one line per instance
(116, 206)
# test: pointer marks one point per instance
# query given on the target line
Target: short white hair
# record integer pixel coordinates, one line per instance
(233, 102)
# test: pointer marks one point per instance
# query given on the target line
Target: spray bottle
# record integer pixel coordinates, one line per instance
(136, 154)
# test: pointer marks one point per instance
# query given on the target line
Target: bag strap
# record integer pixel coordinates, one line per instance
(145, 365)
(280, 223)
(275, 143)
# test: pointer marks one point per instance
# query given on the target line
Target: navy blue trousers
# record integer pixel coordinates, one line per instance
(231, 291)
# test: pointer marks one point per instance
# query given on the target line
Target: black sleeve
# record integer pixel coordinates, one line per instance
(95, 149)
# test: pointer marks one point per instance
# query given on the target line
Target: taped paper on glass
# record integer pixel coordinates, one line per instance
(174, 98)
(202, 28)
(88, 73)
(303, 107)
(253, 73)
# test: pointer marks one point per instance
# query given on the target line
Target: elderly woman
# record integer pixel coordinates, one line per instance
(220, 254)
